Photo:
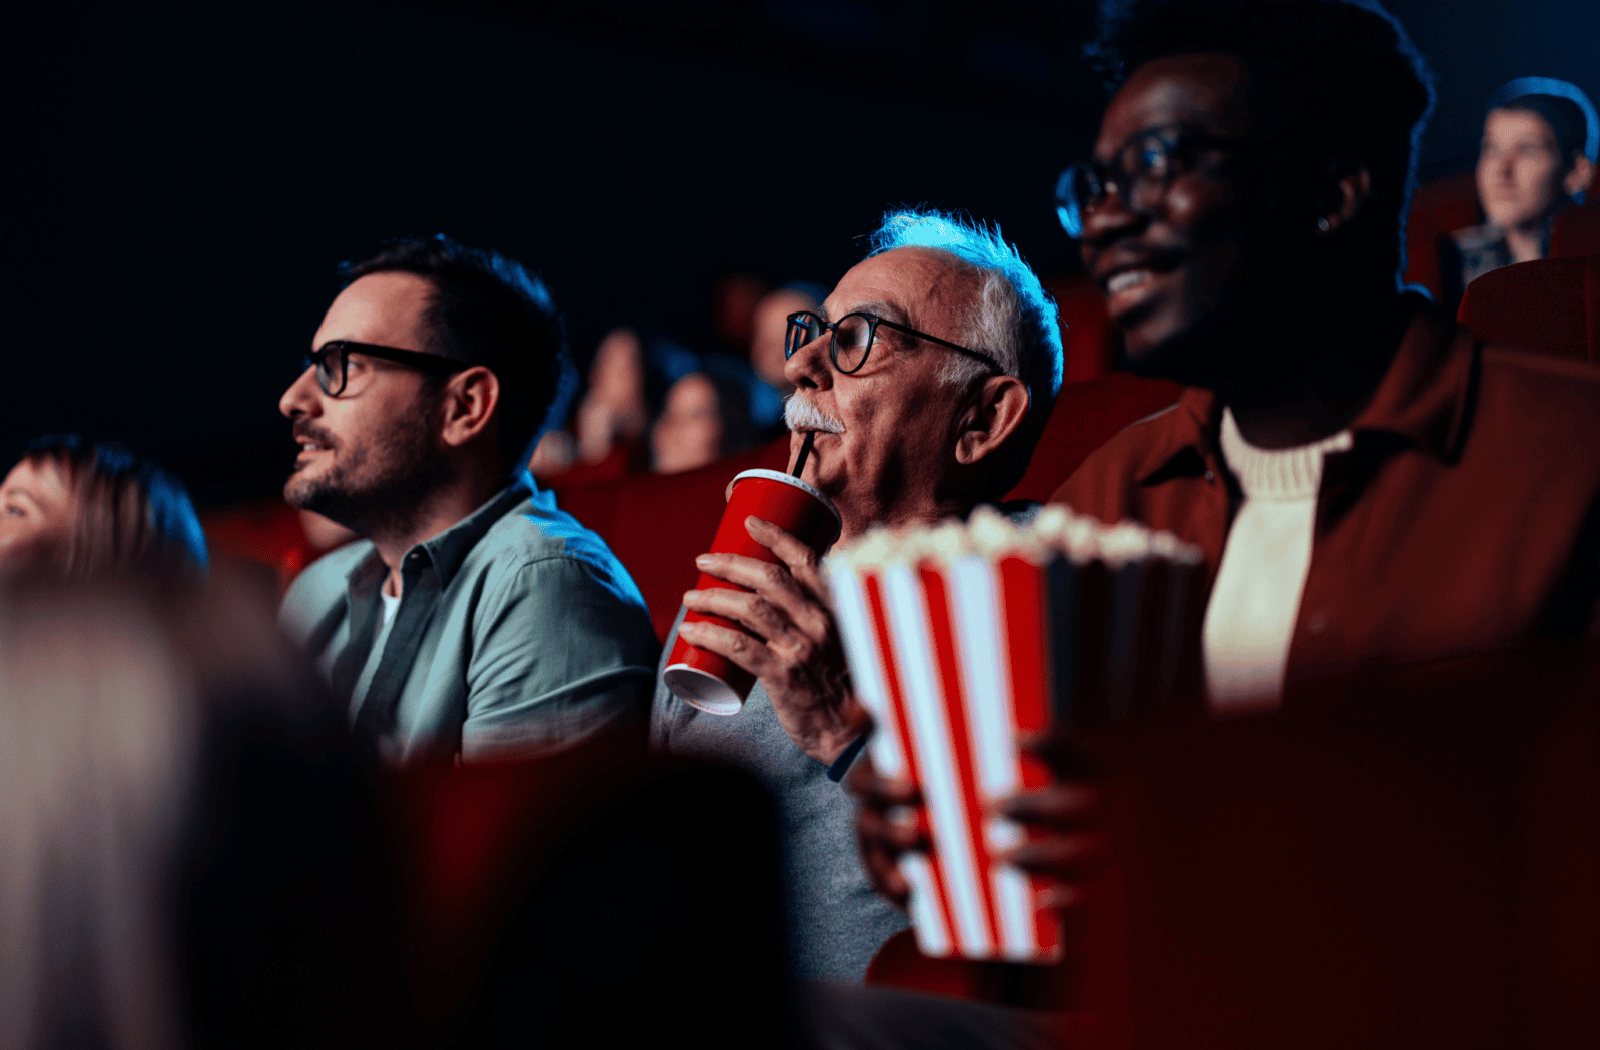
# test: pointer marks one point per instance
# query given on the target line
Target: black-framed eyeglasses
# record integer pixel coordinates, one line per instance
(1141, 170)
(332, 362)
(852, 339)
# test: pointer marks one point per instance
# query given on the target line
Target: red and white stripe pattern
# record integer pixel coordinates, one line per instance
(962, 638)
(952, 660)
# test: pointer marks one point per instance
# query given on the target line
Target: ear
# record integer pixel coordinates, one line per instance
(468, 403)
(1579, 178)
(1346, 189)
(991, 416)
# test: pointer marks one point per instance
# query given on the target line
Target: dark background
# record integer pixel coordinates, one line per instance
(185, 179)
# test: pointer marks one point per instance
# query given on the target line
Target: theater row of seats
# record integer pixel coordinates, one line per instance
(657, 524)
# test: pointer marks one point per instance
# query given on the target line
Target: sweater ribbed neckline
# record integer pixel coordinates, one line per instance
(1279, 473)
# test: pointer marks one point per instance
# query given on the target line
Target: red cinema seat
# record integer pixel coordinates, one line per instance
(1550, 306)
(1086, 416)
(1576, 231)
(656, 523)
(1438, 209)
(265, 532)
(1088, 343)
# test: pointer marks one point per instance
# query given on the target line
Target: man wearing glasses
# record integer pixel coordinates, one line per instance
(475, 619)
(1370, 485)
(926, 378)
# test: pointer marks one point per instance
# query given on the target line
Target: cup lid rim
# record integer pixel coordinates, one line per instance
(787, 479)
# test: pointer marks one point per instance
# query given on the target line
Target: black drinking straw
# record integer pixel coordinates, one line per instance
(805, 453)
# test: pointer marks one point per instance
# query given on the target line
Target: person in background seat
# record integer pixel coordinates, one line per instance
(1538, 154)
(87, 511)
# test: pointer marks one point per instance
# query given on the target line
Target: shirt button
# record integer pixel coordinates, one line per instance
(1317, 622)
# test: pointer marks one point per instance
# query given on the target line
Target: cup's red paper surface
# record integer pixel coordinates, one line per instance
(705, 680)
(959, 647)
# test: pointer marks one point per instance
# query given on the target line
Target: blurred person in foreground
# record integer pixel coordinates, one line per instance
(475, 619)
(1537, 157)
(188, 853)
(88, 511)
(718, 411)
(1370, 485)
(926, 377)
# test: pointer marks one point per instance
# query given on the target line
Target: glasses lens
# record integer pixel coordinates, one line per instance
(797, 335)
(803, 328)
(1150, 157)
(1070, 197)
(330, 370)
(851, 341)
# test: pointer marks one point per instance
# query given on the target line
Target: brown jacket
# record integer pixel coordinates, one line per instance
(1466, 516)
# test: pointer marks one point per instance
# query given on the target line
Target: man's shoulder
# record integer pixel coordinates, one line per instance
(320, 586)
(537, 533)
(1100, 483)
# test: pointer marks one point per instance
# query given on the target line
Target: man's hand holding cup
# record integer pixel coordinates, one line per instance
(789, 641)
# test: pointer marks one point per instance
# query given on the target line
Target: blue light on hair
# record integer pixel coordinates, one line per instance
(981, 245)
(1521, 86)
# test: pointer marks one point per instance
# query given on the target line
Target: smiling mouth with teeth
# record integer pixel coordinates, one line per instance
(1126, 280)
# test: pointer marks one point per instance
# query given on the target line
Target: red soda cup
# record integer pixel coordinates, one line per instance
(706, 681)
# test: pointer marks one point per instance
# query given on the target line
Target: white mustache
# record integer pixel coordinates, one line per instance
(800, 414)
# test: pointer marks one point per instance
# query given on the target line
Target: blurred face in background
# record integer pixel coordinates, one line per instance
(613, 409)
(690, 431)
(374, 450)
(766, 341)
(37, 512)
(1520, 169)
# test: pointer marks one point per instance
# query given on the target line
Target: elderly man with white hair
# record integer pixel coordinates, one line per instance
(927, 377)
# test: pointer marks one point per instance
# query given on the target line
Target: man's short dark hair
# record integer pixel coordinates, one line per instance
(488, 310)
(1342, 75)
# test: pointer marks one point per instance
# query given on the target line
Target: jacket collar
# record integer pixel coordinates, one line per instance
(1424, 400)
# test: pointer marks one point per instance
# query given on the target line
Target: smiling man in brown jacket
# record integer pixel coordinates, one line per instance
(1371, 485)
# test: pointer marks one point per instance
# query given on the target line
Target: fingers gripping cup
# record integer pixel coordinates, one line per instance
(704, 680)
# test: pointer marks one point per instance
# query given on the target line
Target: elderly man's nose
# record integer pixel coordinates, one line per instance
(301, 397)
(808, 366)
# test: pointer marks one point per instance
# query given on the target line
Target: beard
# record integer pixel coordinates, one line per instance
(377, 485)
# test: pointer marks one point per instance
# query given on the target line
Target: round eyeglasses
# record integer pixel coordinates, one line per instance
(1142, 170)
(852, 337)
(332, 362)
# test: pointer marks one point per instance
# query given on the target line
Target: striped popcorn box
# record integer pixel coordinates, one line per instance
(962, 638)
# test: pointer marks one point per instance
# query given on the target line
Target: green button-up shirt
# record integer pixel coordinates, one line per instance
(518, 632)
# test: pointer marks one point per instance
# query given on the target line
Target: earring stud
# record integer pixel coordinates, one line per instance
(1324, 225)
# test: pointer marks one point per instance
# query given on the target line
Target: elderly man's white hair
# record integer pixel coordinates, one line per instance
(1014, 320)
